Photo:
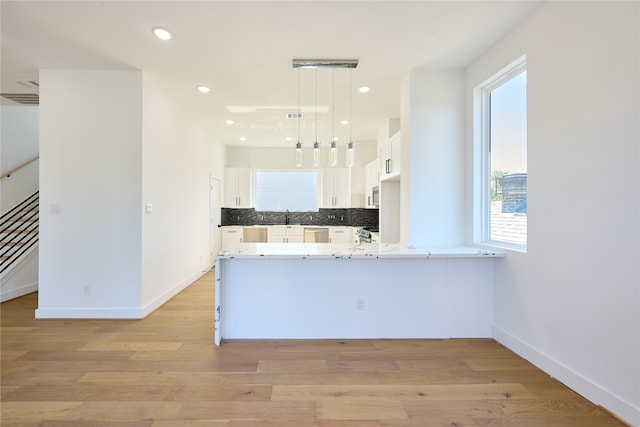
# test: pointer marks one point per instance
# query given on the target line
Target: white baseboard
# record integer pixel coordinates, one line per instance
(6, 295)
(621, 408)
(90, 313)
(157, 302)
(120, 313)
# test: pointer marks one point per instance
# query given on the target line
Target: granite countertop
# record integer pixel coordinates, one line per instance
(348, 250)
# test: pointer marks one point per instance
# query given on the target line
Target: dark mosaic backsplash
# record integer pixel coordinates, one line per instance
(349, 217)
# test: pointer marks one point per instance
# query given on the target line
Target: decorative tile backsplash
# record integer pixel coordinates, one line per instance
(349, 217)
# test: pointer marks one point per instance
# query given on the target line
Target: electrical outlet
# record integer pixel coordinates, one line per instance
(86, 291)
(359, 304)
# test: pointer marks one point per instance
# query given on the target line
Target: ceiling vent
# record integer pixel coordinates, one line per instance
(23, 98)
(294, 115)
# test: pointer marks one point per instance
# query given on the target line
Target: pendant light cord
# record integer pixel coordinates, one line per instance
(298, 104)
(350, 75)
(316, 105)
(333, 105)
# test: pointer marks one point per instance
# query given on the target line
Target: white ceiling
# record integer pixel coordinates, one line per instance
(243, 51)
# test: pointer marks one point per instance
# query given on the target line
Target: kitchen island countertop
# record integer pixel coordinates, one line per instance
(349, 250)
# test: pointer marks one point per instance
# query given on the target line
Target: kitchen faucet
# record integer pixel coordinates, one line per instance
(286, 218)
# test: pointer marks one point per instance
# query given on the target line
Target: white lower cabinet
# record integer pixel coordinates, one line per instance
(285, 235)
(339, 235)
(231, 236)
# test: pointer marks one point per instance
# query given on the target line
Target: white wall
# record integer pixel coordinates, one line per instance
(571, 304)
(111, 143)
(177, 160)
(19, 136)
(432, 186)
(90, 169)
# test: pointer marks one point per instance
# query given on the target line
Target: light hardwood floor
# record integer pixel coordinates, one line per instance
(164, 371)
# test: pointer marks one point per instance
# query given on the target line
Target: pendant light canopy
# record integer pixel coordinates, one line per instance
(333, 145)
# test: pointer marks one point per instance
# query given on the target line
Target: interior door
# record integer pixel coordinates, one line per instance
(214, 219)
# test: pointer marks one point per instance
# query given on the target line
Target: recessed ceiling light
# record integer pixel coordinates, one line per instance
(242, 138)
(344, 122)
(162, 34)
(364, 89)
(229, 121)
(288, 138)
(203, 89)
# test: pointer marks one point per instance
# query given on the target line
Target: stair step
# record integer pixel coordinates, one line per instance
(12, 244)
(19, 233)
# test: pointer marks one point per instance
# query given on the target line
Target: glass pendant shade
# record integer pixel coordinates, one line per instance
(299, 155)
(333, 154)
(316, 153)
(350, 154)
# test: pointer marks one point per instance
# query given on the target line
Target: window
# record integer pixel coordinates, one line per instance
(503, 142)
(287, 190)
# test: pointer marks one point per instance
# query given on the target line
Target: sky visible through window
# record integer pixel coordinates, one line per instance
(508, 157)
(509, 126)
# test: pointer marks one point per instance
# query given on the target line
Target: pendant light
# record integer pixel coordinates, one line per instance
(333, 147)
(333, 150)
(316, 144)
(350, 153)
(299, 154)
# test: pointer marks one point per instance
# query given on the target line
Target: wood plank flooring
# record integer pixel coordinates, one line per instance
(164, 371)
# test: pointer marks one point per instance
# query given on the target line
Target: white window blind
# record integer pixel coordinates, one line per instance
(287, 190)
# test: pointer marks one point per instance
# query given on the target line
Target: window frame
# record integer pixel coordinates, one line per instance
(482, 156)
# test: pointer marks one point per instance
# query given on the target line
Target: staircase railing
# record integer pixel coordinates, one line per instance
(19, 231)
(7, 174)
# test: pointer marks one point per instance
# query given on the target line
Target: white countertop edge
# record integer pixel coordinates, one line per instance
(349, 251)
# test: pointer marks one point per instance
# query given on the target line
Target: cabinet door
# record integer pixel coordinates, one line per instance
(276, 235)
(237, 187)
(339, 235)
(385, 159)
(295, 239)
(342, 187)
(295, 235)
(368, 185)
(371, 180)
(328, 179)
(244, 188)
(336, 188)
(231, 236)
(395, 148)
(230, 187)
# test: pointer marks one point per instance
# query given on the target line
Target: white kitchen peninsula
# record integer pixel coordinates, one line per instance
(340, 291)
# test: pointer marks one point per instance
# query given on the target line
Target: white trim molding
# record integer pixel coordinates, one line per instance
(621, 408)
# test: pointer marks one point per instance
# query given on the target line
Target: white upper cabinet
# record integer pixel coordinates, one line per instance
(390, 154)
(389, 149)
(336, 188)
(237, 188)
(371, 181)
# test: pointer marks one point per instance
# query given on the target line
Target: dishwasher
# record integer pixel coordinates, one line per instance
(316, 235)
